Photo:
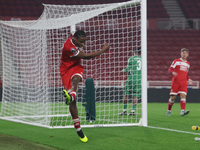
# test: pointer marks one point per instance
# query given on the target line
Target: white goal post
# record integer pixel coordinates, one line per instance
(31, 51)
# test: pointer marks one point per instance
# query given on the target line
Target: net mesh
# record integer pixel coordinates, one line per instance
(32, 87)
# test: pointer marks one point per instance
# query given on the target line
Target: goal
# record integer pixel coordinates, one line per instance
(31, 51)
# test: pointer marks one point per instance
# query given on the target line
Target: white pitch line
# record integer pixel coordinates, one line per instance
(160, 128)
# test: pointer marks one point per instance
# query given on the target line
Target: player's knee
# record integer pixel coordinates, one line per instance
(172, 97)
(182, 96)
(76, 79)
(73, 103)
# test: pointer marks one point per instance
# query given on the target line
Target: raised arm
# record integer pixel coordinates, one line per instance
(104, 49)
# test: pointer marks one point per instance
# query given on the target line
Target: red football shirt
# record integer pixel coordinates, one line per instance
(181, 68)
(68, 60)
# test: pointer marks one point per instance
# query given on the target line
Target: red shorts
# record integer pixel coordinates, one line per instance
(67, 76)
(178, 87)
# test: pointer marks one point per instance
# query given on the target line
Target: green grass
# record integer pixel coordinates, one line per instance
(118, 138)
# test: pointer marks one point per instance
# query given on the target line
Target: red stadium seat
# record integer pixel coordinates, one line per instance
(191, 9)
(161, 54)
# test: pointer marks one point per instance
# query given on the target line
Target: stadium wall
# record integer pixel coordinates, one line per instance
(162, 96)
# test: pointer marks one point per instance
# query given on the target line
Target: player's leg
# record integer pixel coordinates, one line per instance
(70, 95)
(125, 103)
(71, 80)
(183, 104)
(77, 125)
(73, 108)
(76, 79)
(134, 105)
(136, 93)
(173, 93)
(170, 104)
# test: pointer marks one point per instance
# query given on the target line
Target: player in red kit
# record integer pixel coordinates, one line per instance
(179, 69)
(71, 72)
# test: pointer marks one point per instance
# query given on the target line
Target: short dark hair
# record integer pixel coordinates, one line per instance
(79, 33)
(137, 50)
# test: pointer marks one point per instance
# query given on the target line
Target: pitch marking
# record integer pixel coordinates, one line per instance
(160, 128)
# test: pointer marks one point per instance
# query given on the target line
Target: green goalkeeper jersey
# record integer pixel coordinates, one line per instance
(133, 83)
(134, 68)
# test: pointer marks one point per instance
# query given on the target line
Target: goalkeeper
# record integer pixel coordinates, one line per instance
(71, 72)
(133, 83)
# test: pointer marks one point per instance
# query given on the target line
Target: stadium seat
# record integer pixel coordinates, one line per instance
(155, 9)
(191, 8)
(162, 53)
(163, 45)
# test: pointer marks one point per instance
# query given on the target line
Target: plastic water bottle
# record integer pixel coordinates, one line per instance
(197, 139)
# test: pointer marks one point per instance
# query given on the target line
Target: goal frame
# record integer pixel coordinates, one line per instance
(144, 61)
(143, 120)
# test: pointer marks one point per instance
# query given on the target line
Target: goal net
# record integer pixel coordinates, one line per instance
(31, 52)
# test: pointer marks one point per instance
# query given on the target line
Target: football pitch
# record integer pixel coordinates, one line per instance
(163, 132)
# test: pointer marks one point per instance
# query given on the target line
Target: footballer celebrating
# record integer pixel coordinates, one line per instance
(71, 72)
(179, 69)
